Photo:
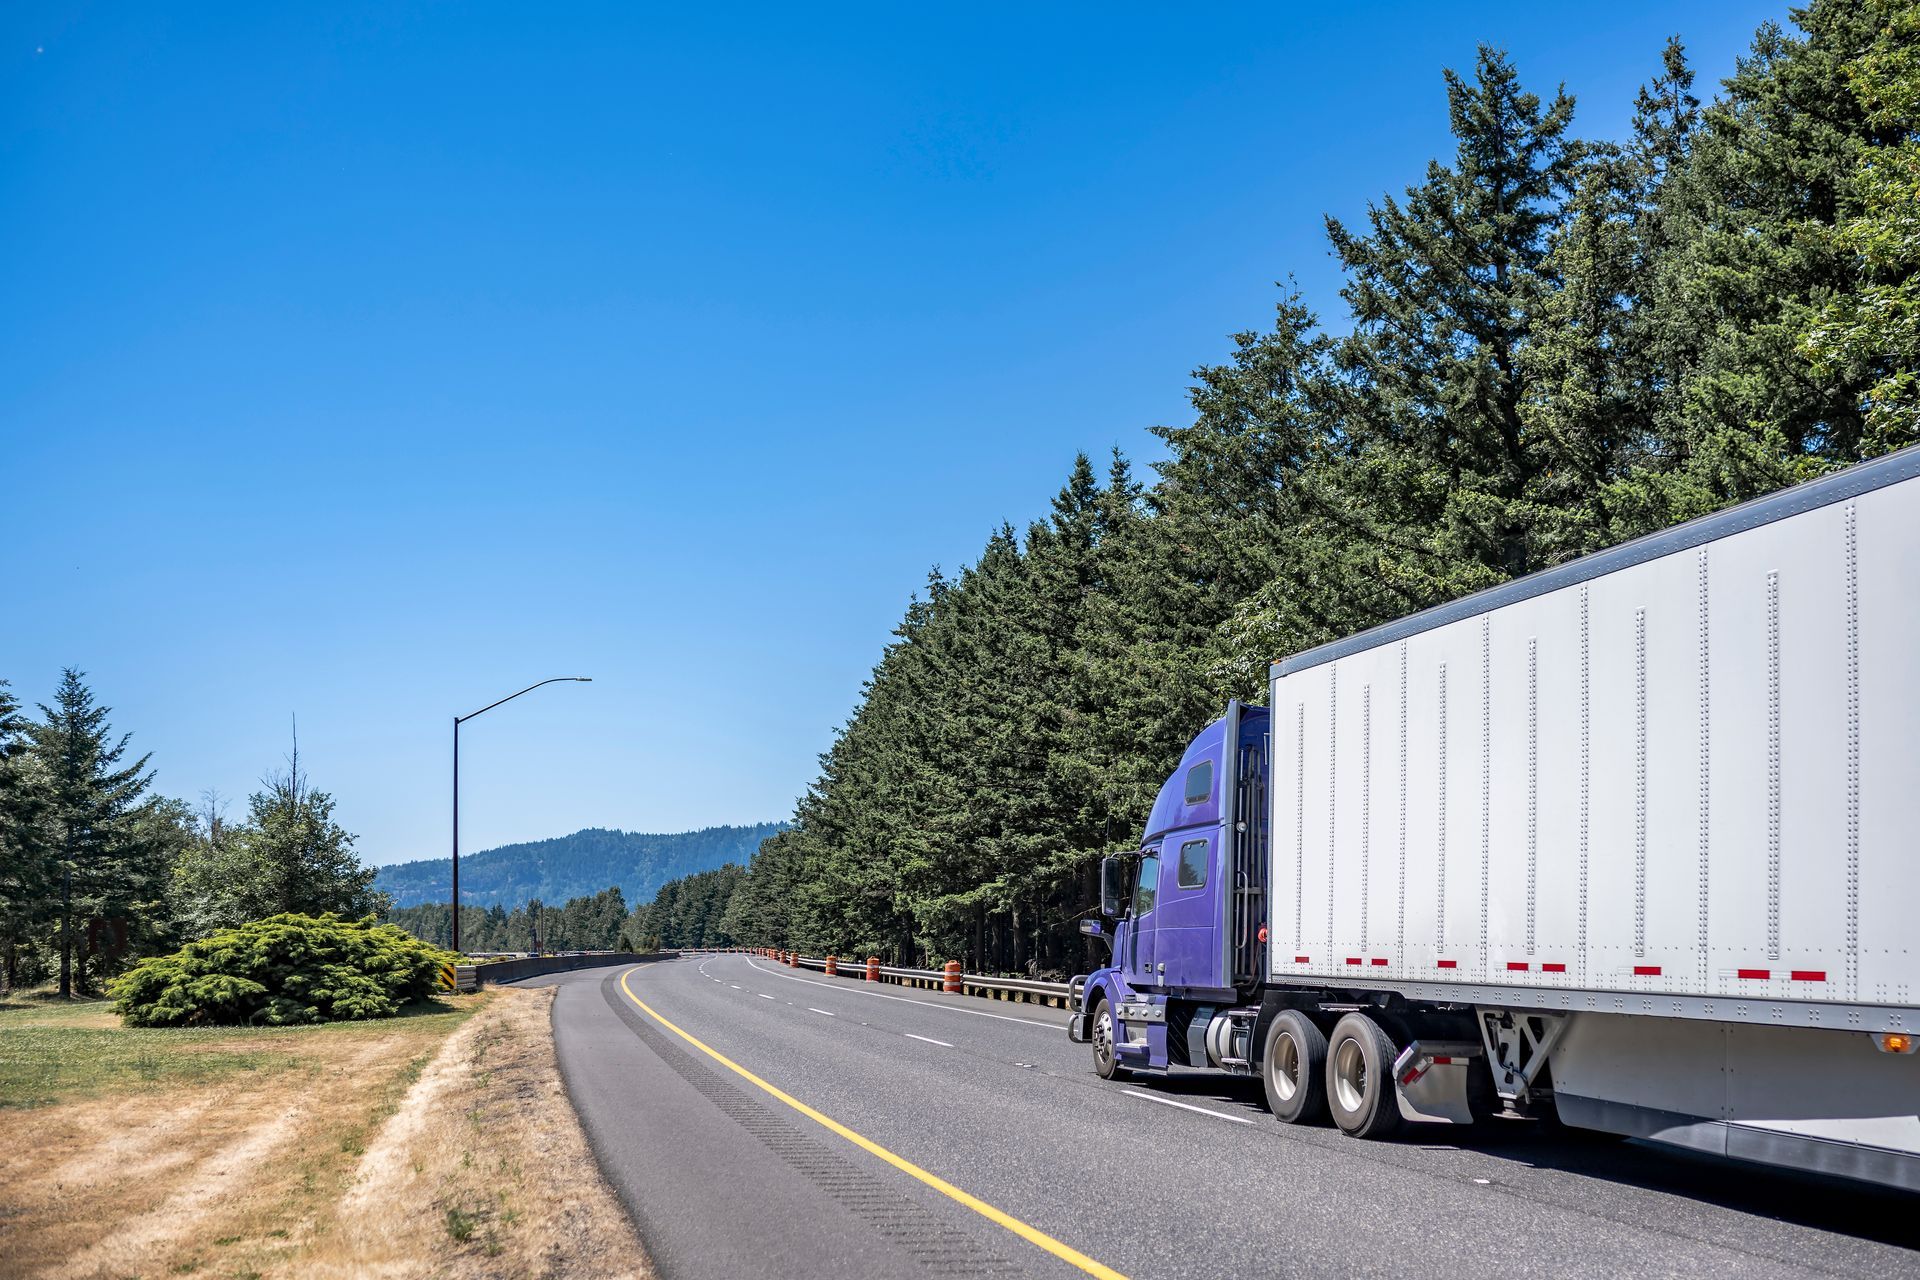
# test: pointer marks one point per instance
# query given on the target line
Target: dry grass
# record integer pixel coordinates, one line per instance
(486, 1155)
(397, 1148)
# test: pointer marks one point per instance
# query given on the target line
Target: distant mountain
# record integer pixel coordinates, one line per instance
(569, 866)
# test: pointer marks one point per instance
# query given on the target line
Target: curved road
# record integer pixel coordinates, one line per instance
(762, 1121)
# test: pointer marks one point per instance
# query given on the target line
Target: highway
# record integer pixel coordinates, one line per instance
(759, 1121)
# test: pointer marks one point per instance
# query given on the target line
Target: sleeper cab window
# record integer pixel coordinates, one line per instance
(1200, 782)
(1193, 864)
(1148, 885)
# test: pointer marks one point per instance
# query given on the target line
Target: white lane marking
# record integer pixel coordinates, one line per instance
(927, 1039)
(763, 995)
(734, 985)
(1185, 1106)
(924, 1004)
(824, 1012)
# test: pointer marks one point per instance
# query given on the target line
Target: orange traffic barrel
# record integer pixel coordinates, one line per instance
(833, 966)
(953, 977)
(873, 968)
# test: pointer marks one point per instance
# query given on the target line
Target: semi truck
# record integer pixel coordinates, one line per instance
(1631, 845)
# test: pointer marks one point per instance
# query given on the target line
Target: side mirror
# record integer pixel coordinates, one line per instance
(1113, 885)
(1092, 928)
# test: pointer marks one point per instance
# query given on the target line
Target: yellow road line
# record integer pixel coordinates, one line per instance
(1032, 1235)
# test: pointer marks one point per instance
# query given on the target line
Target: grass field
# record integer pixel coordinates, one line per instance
(52, 1050)
(439, 1143)
(131, 1151)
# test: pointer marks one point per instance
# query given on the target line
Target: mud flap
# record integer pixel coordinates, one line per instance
(1430, 1081)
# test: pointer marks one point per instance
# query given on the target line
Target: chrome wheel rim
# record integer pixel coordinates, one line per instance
(1103, 1037)
(1350, 1075)
(1286, 1067)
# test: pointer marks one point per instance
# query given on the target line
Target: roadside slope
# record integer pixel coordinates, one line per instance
(483, 1170)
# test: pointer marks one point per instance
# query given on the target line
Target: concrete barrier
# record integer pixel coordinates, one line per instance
(457, 977)
(513, 970)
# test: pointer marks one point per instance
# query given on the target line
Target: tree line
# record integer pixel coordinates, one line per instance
(590, 922)
(1551, 344)
(686, 912)
(97, 870)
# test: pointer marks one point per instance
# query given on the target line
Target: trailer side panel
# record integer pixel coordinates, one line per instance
(1686, 781)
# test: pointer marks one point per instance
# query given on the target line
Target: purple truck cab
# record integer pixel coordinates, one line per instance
(1185, 914)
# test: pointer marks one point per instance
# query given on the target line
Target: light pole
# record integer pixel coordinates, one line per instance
(457, 720)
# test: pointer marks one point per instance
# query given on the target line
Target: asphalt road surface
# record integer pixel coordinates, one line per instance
(826, 1127)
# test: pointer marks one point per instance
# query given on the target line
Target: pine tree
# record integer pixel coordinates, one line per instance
(27, 874)
(111, 868)
(1247, 557)
(289, 855)
(302, 859)
(1598, 361)
(1440, 478)
(1752, 262)
(1870, 336)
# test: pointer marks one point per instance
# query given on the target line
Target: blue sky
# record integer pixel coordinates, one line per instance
(371, 362)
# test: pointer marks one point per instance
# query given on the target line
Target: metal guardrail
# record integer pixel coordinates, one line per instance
(1017, 990)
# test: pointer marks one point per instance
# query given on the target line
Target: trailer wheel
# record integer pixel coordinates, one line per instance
(1106, 1063)
(1293, 1068)
(1360, 1090)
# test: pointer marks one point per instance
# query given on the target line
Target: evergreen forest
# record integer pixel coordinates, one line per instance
(1548, 343)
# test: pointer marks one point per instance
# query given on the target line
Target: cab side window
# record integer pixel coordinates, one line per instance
(1193, 864)
(1200, 782)
(1145, 889)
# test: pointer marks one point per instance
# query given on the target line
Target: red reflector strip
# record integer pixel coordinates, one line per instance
(1443, 1062)
(1753, 973)
(1353, 959)
(1646, 971)
(1299, 959)
(1809, 975)
(1516, 966)
(1378, 960)
(1449, 964)
(1553, 968)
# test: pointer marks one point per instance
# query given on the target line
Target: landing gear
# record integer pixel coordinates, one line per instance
(1360, 1090)
(1293, 1068)
(1106, 1062)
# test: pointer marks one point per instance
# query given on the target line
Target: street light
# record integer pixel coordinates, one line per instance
(456, 787)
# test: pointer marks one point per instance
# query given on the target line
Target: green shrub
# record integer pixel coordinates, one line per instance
(284, 969)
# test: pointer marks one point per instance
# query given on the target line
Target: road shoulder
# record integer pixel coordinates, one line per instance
(483, 1170)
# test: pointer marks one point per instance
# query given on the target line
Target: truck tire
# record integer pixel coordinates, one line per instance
(1106, 1063)
(1293, 1067)
(1360, 1090)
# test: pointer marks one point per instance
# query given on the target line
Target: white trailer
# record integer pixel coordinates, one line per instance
(1653, 816)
